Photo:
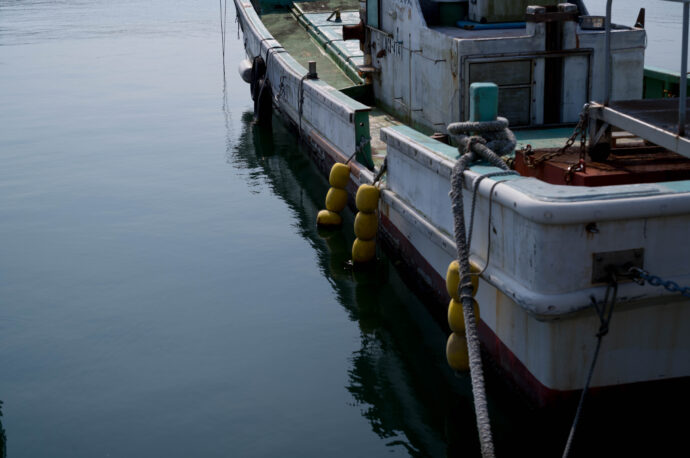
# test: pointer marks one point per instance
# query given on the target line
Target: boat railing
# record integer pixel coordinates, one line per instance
(682, 106)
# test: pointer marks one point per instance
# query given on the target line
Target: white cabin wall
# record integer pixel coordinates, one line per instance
(418, 78)
(402, 17)
(423, 74)
(435, 71)
(627, 49)
(575, 76)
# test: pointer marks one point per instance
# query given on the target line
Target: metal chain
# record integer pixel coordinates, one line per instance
(641, 275)
(580, 130)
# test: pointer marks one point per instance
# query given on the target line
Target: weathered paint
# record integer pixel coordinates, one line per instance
(502, 10)
(535, 220)
(436, 61)
(324, 109)
(362, 134)
(624, 166)
(555, 353)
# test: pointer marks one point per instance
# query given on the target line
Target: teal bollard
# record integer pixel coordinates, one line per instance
(483, 102)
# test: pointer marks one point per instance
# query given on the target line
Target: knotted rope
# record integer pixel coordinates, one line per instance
(495, 138)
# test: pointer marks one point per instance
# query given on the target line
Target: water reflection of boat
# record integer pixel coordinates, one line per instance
(388, 379)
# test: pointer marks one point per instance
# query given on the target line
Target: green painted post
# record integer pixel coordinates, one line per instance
(483, 102)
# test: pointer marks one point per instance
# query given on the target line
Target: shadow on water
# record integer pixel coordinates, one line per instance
(395, 376)
(399, 379)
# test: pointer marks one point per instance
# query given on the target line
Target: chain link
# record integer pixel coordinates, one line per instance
(580, 130)
(641, 276)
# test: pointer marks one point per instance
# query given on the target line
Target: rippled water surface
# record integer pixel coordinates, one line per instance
(163, 289)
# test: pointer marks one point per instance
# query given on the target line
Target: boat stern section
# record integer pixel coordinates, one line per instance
(539, 244)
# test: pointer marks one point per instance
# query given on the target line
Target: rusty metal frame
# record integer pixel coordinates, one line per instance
(650, 132)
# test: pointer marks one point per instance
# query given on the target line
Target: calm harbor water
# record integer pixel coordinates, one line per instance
(664, 25)
(164, 290)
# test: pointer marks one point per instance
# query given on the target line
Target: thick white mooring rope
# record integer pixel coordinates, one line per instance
(496, 136)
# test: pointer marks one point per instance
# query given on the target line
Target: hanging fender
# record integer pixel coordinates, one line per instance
(263, 103)
(257, 75)
(245, 70)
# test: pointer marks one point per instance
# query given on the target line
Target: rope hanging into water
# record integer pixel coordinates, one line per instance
(270, 51)
(604, 312)
(300, 102)
(495, 137)
(223, 4)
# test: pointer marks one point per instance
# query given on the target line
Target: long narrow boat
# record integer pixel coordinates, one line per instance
(387, 74)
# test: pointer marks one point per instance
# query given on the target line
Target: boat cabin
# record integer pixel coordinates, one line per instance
(423, 55)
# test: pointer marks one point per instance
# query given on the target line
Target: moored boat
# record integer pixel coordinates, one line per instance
(563, 234)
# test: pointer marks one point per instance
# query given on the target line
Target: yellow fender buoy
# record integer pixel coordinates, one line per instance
(339, 176)
(336, 198)
(453, 279)
(456, 319)
(457, 353)
(366, 225)
(328, 218)
(367, 199)
(363, 250)
(456, 348)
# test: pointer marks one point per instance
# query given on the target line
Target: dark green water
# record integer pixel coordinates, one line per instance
(163, 289)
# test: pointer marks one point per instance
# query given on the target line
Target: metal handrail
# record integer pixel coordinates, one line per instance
(682, 102)
(682, 96)
(607, 60)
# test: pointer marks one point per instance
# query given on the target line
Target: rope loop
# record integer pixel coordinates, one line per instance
(495, 135)
(468, 143)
